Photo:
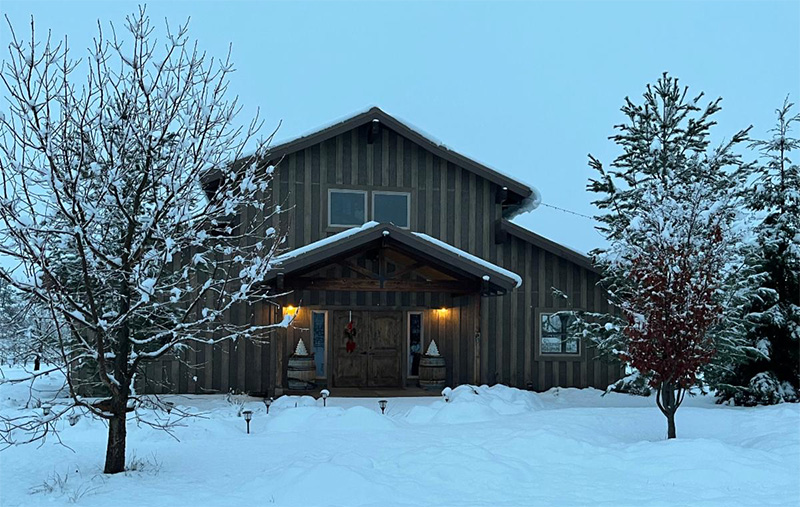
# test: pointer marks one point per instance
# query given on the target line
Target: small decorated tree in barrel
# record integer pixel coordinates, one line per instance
(432, 369)
(302, 371)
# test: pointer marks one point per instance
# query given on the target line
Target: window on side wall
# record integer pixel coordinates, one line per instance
(555, 334)
(392, 207)
(347, 208)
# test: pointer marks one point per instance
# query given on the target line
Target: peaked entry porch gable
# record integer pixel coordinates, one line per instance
(401, 261)
(422, 290)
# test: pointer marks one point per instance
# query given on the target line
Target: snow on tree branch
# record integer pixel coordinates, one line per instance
(127, 205)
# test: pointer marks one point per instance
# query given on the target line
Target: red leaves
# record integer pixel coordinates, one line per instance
(672, 309)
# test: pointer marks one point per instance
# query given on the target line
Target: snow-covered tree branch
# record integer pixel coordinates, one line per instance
(129, 209)
(669, 211)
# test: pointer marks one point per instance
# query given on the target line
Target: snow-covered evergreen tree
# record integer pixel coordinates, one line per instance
(668, 212)
(27, 330)
(13, 347)
(105, 214)
(772, 306)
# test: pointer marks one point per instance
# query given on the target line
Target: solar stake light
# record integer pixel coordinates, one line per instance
(168, 406)
(46, 408)
(267, 403)
(324, 393)
(382, 404)
(248, 415)
(73, 419)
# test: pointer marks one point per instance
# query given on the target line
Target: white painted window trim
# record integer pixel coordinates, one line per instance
(346, 191)
(390, 192)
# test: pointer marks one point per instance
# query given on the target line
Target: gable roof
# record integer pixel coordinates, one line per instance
(358, 239)
(405, 130)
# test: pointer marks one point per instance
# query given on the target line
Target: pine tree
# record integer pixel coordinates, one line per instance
(12, 346)
(669, 208)
(772, 307)
(27, 330)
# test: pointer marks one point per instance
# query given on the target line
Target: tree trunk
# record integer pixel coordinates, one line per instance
(37, 363)
(671, 425)
(668, 403)
(117, 431)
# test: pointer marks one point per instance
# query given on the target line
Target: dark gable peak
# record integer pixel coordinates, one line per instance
(376, 116)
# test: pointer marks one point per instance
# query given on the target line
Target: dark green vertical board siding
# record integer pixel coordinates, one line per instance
(343, 162)
(452, 204)
(491, 340)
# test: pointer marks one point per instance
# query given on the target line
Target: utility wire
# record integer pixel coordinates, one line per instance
(568, 211)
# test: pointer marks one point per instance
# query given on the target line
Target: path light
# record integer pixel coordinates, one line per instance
(46, 409)
(73, 419)
(168, 406)
(267, 403)
(324, 393)
(382, 404)
(248, 415)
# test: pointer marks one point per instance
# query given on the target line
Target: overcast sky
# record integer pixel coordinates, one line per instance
(528, 88)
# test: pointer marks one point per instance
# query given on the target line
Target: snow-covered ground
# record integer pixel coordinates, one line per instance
(488, 446)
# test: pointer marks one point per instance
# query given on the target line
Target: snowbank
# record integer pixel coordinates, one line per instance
(330, 418)
(470, 404)
(15, 393)
(485, 446)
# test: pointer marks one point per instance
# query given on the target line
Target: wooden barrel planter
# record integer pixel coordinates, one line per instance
(301, 373)
(432, 372)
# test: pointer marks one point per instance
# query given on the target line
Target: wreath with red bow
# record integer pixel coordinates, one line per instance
(350, 333)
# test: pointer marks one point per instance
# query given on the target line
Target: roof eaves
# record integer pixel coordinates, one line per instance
(351, 239)
(551, 246)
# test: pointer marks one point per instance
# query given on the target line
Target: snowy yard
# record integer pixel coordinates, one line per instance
(497, 447)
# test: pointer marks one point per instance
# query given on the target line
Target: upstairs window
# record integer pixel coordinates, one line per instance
(555, 334)
(392, 207)
(347, 208)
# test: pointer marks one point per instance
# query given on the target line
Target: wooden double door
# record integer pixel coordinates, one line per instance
(369, 355)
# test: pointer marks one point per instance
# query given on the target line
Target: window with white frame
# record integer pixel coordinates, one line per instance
(392, 207)
(555, 334)
(347, 208)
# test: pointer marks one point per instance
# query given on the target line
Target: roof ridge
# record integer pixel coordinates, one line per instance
(406, 129)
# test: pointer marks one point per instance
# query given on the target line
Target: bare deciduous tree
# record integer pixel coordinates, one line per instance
(104, 215)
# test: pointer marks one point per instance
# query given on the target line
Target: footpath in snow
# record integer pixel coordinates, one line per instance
(487, 446)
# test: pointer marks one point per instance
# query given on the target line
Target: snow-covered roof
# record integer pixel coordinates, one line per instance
(414, 133)
(549, 245)
(335, 238)
(356, 238)
(472, 258)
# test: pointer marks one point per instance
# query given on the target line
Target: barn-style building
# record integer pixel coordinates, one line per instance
(394, 241)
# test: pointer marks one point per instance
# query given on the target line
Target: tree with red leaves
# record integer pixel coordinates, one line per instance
(669, 213)
(670, 303)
